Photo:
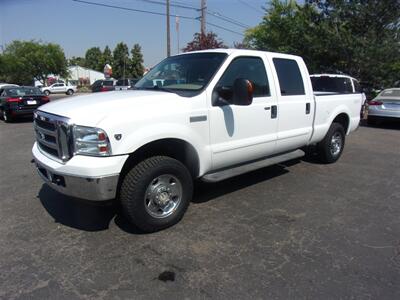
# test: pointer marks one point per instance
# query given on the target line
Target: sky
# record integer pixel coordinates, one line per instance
(77, 26)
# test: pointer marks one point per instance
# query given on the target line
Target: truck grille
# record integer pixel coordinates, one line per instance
(53, 135)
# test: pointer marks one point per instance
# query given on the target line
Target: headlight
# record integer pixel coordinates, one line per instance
(91, 141)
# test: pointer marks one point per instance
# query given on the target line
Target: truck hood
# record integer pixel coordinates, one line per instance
(90, 110)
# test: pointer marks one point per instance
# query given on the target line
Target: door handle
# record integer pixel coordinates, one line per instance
(308, 108)
(274, 111)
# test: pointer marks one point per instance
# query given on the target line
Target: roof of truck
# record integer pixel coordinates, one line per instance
(230, 51)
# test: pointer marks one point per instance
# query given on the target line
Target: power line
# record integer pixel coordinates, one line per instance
(224, 28)
(251, 6)
(227, 19)
(172, 3)
(132, 9)
(211, 13)
(154, 13)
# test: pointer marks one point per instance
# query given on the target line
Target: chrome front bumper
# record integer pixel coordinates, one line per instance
(89, 188)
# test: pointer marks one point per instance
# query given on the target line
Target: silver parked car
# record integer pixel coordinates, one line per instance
(385, 106)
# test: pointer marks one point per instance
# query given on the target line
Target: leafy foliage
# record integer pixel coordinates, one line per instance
(94, 59)
(24, 61)
(121, 61)
(360, 38)
(204, 41)
(136, 68)
(77, 61)
(107, 57)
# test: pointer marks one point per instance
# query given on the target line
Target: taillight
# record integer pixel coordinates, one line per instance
(103, 89)
(9, 100)
(45, 99)
(373, 102)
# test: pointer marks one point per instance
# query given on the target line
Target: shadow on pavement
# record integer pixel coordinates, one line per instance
(76, 213)
(204, 192)
(96, 216)
(393, 125)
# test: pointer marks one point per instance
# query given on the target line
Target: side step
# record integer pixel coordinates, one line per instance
(235, 171)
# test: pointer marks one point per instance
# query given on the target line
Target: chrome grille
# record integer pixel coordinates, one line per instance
(53, 135)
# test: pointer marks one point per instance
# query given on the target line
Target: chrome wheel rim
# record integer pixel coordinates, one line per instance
(163, 196)
(336, 144)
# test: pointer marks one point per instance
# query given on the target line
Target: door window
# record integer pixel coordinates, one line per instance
(289, 76)
(250, 68)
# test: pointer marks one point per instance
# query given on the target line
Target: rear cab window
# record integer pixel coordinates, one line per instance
(289, 76)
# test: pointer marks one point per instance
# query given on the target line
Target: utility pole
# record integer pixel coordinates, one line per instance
(168, 32)
(203, 17)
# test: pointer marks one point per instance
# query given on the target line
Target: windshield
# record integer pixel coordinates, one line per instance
(24, 91)
(332, 84)
(189, 72)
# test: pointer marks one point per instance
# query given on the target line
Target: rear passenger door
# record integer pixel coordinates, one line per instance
(295, 103)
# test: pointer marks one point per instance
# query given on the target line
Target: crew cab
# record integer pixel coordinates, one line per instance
(59, 88)
(206, 115)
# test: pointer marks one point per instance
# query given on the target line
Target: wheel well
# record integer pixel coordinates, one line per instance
(344, 120)
(175, 148)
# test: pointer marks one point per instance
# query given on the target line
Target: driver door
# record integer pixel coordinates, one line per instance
(244, 133)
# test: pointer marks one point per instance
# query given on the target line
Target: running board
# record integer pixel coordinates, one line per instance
(235, 171)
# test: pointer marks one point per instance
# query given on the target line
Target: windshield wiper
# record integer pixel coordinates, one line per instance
(156, 88)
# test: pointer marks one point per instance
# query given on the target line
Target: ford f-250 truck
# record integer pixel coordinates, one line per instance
(208, 114)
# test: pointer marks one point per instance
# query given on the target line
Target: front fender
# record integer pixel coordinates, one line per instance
(145, 135)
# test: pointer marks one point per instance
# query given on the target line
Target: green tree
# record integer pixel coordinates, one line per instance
(107, 57)
(204, 41)
(136, 62)
(360, 38)
(121, 61)
(25, 61)
(93, 59)
(77, 61)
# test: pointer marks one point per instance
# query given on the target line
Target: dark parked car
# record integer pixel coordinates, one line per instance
(103, 85)
(20, 101)
(125, 84)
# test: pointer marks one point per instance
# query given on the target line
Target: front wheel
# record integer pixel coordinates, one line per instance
(331, 147)
(46, 92)
(156, 193)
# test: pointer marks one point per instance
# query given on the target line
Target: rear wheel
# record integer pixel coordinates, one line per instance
(6, 116)
(331, 147)
(156, 193)
(70, 92)
(46, 92)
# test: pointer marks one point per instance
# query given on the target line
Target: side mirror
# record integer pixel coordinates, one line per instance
(242, 92)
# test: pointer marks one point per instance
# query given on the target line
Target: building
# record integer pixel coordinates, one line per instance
(79, 76)
(83, 76)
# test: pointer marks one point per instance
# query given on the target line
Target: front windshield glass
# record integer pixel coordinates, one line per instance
(188, 72)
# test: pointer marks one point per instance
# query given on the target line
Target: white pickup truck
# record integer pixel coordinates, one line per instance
(59, 88)
(212, 115)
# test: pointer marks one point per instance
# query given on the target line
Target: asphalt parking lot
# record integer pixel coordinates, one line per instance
(295, 231)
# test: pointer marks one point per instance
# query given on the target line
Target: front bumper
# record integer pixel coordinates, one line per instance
(89, 188)
(90, 178)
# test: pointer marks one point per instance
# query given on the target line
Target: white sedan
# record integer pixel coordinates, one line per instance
(59, 88)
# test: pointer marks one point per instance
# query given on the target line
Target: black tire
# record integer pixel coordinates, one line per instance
(372, 121)
(6, 116)
(46, 92)
(328, 149)
(70, 92)
(136, 184)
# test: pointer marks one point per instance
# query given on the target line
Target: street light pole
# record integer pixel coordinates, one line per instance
(168, 32)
